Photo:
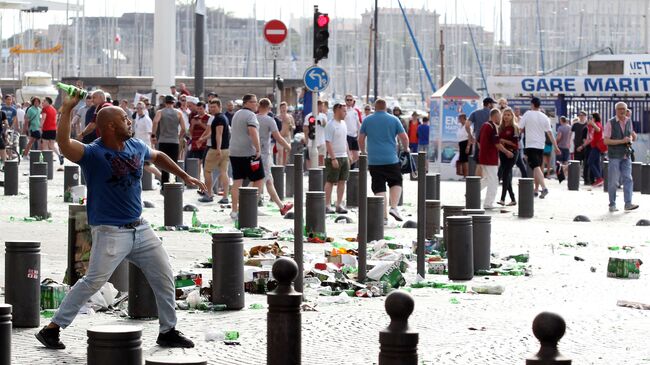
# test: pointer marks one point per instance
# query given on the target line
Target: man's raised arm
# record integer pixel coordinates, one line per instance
(72, 149)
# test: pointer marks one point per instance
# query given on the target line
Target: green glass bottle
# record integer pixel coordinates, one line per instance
(72, 90)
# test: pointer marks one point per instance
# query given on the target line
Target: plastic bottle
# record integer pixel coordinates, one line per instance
(40, 157)
(72, 90)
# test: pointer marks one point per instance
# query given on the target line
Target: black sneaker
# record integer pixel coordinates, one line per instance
(329, 210)
(341, 210)
(174, 338)
(49, 337)
(61, 159)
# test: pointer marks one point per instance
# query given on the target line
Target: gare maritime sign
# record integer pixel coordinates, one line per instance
(578, 85)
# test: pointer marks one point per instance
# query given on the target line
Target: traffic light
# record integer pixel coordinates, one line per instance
(321, 35)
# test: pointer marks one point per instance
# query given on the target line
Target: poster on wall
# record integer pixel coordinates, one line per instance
(444, 114)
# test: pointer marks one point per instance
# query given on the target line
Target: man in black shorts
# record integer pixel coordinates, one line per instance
(245, 150)
(353, 123)
(380, 129)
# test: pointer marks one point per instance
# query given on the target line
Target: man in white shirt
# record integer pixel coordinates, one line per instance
(337, 164)
(353, 124)
(142, 128)
(537, 126)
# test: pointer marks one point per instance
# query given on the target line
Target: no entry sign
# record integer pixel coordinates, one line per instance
(275, 32)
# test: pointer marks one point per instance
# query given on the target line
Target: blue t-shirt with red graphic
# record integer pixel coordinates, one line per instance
(113, 181)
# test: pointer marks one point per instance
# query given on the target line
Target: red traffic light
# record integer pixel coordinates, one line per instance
(312, 120)
(323, 20)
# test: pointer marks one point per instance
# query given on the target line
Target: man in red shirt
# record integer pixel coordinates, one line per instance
(48, 120)
(489, 147)
(198, 125)
(414, 123)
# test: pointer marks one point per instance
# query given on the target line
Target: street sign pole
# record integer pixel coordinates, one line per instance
(275, 32)
(275, 99)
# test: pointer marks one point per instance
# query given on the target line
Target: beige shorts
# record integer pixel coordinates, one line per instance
(212, 161)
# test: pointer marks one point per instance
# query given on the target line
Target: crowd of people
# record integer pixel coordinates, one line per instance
(501, 139)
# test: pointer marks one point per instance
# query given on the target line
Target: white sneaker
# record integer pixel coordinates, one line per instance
(395, 214)
(234, 215)
(612, 208)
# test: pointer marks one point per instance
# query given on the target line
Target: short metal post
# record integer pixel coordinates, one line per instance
(70, 179)
(109, 345)
(38, 168)
(247, 207)
(481, 241)
(147, 180)
(375, 225)
(315, 179)
(548, 328)
(431, 186)
(422, 193)
(298, 218)
(645, 179)
(398, 344)
(38, 196)
(34, 156)
(432, 218)
(180, 164)
(228, 269)
(5, 334)
(460, 248)
(288, 181)
(120, 277)
(448, 211)
(352, 189)
(573, 180)
(473, 192)
(637, 177)
(11, 177)
(315, 214)
(48, 156)
(175, 360)
(23, 282)
(142, 301)
(283, 320)
(22, 143)
(193, 168)
(278, 180)
(526, 197)
(362, 234)
(473, 211)
(173, 204)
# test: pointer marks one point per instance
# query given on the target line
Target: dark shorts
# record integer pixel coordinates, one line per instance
(333, 175)
(200, 154)
(353, 143)
(384, 174)
(49, 135)
(241, 169)
(564, 155)
(476, 152)
(35, 134)
(534, 156)
(462, 156)
(2, 143)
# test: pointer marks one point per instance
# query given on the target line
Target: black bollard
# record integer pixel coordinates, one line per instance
(278, 180)
(23, 282)
(481, 240)
(298, 217)
(5, 334)
(70, 179)
(645, 179)
(362, 234)
(38, 168)
(375, 220)
(109, 345)
(296, 149)
(173, 204)
(472, 166)
(142, 301)
(11, 177)
(147, 180)
(605, 171)
(472, 211)
(573, 180)
(34, 156)
(637, 181)
(228, 269)
(436, 184)
(38, 196)
(315, 214)
(548, 328)
(422, 196)
(473, 192)
(460, 248)
(448, 211)
(288, 181)
(180, 164)
(48, 157)
(248, 207)
(526, 197)
(431, 186)
(22, 143)
(120, 277)
(175, 360)
(352, 189)
(398, 344)
(315, 180)
(193, 168)
(283, 320)
(432, 218)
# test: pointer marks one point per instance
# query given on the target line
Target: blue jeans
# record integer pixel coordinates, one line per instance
(594, 164)
(619, 168)
(111, 245)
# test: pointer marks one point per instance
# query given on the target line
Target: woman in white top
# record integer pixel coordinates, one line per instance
(464, 147)
(142, 128)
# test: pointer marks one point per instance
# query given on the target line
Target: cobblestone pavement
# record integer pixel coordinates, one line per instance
(598, 332)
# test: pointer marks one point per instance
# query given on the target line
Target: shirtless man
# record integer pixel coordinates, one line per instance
(288, 126)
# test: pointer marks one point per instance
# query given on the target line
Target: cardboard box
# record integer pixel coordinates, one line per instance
(437, 268)
(623, 268)
(52, 294)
